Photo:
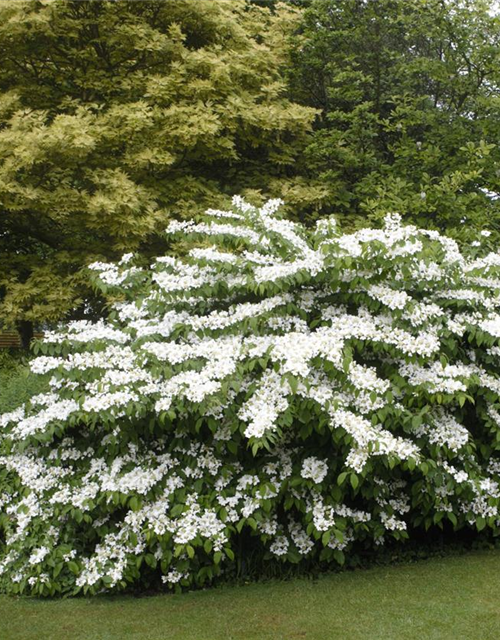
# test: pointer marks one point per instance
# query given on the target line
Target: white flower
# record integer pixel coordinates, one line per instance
(38, 555)
(314, 469)
(280, 546)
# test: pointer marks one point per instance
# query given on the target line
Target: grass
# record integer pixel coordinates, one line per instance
(457, 597)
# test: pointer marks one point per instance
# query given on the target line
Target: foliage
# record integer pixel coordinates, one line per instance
(114, 115)
(304, 393)
(17, 383)
(410, 112)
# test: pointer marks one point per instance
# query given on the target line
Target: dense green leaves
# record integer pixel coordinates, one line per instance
(410, 116)
(116, 115)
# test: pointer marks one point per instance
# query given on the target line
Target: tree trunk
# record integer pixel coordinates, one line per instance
(25, 329)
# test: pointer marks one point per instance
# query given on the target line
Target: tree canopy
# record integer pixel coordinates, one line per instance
(410, 112)
(115, 116)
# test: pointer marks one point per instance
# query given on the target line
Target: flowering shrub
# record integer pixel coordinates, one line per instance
(311, 390)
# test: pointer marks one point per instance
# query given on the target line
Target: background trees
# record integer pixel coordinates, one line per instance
(116, 115)
(409, 99)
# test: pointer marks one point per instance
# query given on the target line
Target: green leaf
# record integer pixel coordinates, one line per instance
(341, 478)
(452, 518)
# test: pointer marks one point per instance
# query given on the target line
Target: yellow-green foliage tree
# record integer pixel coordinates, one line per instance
(116, 115)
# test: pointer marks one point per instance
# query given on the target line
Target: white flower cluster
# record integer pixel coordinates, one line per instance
(314, 469)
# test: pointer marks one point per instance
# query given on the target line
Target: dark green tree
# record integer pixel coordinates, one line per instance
(409, 92)
(116, 116)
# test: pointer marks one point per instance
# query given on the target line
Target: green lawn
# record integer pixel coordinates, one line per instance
(456, 597)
